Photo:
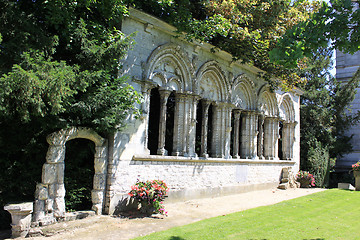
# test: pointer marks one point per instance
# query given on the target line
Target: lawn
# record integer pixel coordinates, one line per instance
(332, 214)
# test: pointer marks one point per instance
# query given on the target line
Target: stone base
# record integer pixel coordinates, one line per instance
(346, 186)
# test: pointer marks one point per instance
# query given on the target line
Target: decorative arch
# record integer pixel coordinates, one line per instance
(211, 82)
(50, 193)
(286, 110)
(243, 92)
(266, 102)
(169, 67)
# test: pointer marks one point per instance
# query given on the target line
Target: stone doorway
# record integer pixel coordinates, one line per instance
(50, 193)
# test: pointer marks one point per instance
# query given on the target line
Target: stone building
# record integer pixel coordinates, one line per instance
(346, 66)
(209, 126)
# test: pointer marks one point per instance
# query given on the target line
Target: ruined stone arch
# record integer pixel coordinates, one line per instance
(286, 110)
(243, 93)
(211, 82)
(266, 102)
(50, 193)
(169, 67)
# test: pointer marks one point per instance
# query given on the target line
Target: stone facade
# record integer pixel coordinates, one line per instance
(346, 66)
(209, 126)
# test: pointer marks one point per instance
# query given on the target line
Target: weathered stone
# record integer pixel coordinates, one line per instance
(55, 154)
(100, 152)
(59, 208)
(100, 165)
(99, 181)
(97, 196)
(21, 218)
(41, 192)
(56, 190)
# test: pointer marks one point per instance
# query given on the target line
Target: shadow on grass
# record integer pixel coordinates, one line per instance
(176, 238)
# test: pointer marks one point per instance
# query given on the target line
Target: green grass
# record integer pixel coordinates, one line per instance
(332, 214)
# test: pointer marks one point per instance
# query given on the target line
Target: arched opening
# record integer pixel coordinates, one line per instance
(210, 130)
(154, 119)
(280, 145)
(232, 133)
(79, 174)
(169, 133)
(199, 116)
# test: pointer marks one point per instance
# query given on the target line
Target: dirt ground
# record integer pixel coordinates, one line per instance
(180, 213)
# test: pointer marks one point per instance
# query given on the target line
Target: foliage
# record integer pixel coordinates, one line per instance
(324, 115)
(356, 166)
(153, 192)
(59, 67)
(248, 29)
(305, 176)
(336, 23)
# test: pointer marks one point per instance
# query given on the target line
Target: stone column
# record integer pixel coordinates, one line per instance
(192, 128)
(236, 136)
(164, 94)
(179, 125)
(204, 128)
(217, 138)
(288, 140)
(228, 129)
(146, 90)
(249, 135)
(260, 138)
(271, 136)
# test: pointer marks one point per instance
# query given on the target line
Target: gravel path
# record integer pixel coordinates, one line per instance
(180, 213)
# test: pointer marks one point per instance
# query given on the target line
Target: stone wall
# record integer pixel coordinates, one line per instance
(197, 74)
(346, 66)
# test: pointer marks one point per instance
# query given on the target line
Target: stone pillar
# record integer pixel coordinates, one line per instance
(190, 149)
(20, 217)
(288, 140)
(249, 135)
(236, 136)
(226, 147)
(204, 128)
(271, 137)
(179, 125)
(146, 90)
(164, 94)
(260, 137)
(217, 140)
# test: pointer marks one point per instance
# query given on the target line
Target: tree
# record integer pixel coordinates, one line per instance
(248, 29)
(324, 116)
(59, 64)
(335, 24)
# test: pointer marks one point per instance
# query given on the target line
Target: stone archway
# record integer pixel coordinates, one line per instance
(49, 196)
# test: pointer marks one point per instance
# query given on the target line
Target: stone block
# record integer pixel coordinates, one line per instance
(100, 165)
(41, 192)
(99, 181)
(49, 173)
(20, 217)
(39, 206)
(59, 208)
(346, 186)
(97, 196)
(57, 190)
(49, 205)
(100, 152)
(55, 154)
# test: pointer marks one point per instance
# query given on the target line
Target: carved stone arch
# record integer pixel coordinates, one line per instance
(266, 102)
(50, 193)
(172, 63)
(211, 82)
(286, 110)
(243, 92)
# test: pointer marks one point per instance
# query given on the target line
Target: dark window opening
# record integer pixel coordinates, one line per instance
(232, 134)
(169, 133)
(154, 119)
(199, 118)
(210, 130)
(280, 152)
